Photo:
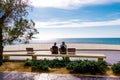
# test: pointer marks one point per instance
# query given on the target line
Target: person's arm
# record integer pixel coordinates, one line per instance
(60, 46)
(65, 46)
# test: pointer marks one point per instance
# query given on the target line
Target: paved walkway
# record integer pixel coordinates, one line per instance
(45, 76)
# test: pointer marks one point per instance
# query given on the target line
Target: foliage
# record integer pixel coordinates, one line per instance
(116, 68)
(28, 62)
(14, 23)
(58, 63)
(40, 65)
(86, 66)
(92, 67)
(72, 66)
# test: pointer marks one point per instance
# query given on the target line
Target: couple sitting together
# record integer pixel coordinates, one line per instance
(62, 49)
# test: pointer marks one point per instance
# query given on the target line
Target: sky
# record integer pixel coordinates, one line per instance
(76, 18)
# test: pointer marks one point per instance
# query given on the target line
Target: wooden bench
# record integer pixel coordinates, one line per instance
(100, 57)
(30, 51)
(54, 50)
(71, 50)
(63, 51)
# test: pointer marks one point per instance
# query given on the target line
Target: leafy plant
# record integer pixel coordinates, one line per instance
(86, 66)
(116, 68)
(40, 65)
(58, 63)
(14, 24)
(28, 62)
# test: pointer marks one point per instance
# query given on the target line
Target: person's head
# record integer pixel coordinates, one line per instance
(55, 43)
(63, 43)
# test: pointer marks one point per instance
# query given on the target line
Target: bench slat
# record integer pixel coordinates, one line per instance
(34, 56)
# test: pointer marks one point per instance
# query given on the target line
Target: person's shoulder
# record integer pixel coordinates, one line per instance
(62, 46)
(66, 45)
(54, 47)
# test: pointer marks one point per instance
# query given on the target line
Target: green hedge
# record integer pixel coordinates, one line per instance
(86, 66)
(116, 68)
(58, 63)
(28, 62)
(40, 65)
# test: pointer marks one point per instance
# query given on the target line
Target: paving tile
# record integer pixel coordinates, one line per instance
(47, 76)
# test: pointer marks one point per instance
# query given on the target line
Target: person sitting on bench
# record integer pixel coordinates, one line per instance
(63, 48)
(54, 49)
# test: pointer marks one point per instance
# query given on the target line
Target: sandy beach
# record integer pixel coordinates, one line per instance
(77, 46)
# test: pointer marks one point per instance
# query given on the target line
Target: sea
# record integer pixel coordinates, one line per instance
(111, 41)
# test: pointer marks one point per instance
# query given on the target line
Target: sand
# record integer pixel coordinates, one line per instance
(77, 46)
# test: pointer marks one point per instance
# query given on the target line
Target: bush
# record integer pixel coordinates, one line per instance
(72, 66)
(92, 67)
(86, 66)
(40, 65)
(28, 62)
(45, 64)
(58, 63)
(116, 68)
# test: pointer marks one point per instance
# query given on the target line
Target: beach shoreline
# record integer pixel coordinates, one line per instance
(43, 46)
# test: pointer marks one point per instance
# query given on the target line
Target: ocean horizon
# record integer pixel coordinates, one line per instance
(112, 41)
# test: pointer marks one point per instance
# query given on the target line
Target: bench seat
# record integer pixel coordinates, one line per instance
(34, 56)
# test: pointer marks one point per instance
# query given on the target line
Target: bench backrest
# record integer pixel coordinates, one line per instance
(71, 50)
(30, 50)
(63, 51)
(54, 50)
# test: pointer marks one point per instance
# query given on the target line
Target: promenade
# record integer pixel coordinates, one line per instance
(112, 52)
(47, 76)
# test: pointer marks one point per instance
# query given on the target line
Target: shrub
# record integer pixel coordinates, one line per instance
(116, 68)
(28, 62)
(58, 63)
(45, 64)
(5, 60)
(86, 66)
(40, 65)
(72, 66)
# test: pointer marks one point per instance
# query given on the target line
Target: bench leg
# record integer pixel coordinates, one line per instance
(34, 57)
(100, 59)
(6, 57)
(65, 58)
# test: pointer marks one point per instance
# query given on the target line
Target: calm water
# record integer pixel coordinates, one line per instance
(115, 41)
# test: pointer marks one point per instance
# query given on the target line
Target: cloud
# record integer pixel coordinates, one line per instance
(76, 23)
(68, 4)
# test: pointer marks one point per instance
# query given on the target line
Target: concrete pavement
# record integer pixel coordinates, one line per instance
(47, 76)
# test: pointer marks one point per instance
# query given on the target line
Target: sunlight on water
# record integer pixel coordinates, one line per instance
(44, 38)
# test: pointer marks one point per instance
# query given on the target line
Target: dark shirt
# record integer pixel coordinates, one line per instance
(62, 47)
(55, 50)
(54, 47)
